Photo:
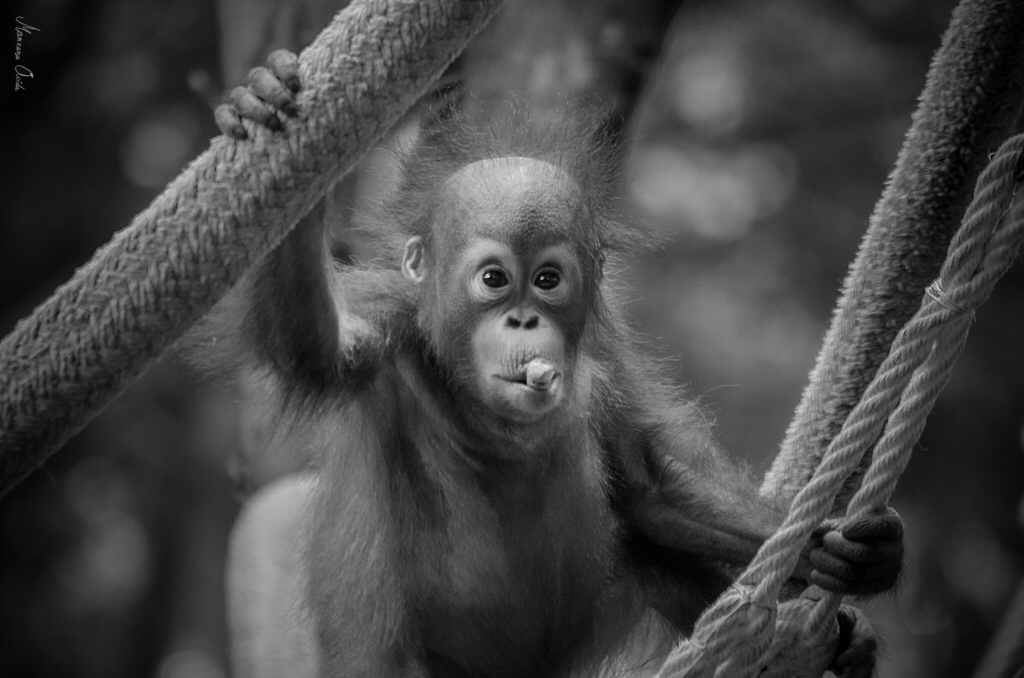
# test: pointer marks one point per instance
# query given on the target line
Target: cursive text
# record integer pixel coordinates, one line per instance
(21, 71)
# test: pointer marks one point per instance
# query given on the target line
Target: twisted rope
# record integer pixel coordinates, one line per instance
(231, 206)
(735, 636)
(970, 103)
(981, 253)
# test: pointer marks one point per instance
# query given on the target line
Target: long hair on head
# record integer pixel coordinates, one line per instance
(575, 139)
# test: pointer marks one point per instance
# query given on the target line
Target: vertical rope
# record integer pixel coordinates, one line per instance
(735, 634)
(970, 101)
(981, 253)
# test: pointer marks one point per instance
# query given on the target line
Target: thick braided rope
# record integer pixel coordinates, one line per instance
(735, 635)
(981, 253)
(969, 104)
(232, 205)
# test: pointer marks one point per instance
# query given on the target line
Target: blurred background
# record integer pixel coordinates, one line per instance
(763, 133)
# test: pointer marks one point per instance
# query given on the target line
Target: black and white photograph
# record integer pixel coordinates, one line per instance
(512, 339)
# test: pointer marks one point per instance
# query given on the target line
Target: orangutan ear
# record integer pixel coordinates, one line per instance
(414, 260)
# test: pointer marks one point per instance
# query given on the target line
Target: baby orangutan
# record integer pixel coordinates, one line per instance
(503, 485)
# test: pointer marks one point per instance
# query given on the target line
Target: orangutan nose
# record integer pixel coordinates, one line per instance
(522, 319)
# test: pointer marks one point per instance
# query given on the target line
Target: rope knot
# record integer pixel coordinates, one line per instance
(800, 650)
(936, 292)
(748, 596)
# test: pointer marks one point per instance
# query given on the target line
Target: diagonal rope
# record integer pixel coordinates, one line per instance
(735, 635)
(232, 205)
(981, 253)
(970, 103)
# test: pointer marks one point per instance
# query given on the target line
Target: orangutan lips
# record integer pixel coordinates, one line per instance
(540, 374)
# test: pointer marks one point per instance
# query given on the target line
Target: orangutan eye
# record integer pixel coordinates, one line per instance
(547, 280)
(495, 278)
